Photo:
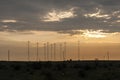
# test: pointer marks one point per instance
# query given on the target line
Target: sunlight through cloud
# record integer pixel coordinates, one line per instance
(94, 34)
(9, 21)
(97, 14)
(118, 21)
(56, 15)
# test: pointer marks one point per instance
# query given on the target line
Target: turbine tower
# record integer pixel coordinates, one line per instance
(54, 51)
(44, 51)
(108, 55)
(78, 50)
(60, 51)
(37, 58)
(64, 53)
(47, 51)
(51, 51)
(28, 50)
(8, 55)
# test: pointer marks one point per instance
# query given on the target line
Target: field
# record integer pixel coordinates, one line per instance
(66, 70)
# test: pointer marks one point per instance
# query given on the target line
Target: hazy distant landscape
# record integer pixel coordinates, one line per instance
(64, 70)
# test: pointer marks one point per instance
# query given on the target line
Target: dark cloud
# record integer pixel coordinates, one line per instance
(29, 13)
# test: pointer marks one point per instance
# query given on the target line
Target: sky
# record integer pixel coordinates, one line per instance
(95, 23)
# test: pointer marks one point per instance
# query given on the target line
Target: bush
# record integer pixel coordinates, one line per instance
(16, 67)
(87, 67)
(77, 66)
(81, 73)
(35, 66)
(48, 65)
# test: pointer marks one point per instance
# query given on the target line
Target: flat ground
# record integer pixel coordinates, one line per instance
(67, 70)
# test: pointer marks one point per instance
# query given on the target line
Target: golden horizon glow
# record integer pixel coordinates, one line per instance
(91, 43)
(86, 36)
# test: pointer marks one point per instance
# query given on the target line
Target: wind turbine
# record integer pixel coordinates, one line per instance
(51, 51)
(78, 50)
(37, 58)
(8, 55)
(108, 55)
(60, 51)
(44, 51)
(47, 51)
(64, 53)
(54, 51)
(28, 50)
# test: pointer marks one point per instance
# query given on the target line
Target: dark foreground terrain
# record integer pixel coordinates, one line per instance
(68, 70)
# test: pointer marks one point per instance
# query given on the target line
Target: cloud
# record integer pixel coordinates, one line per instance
(115, 13)
(97, 14)
(94, 34)
(119, 16)
(87, 33)
(118, 21)
(5, 26)
(71, 32)
(58, 15)
(9, 21)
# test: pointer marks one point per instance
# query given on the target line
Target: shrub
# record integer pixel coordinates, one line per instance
(16, 67)
(81, 73)
(35, 66)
